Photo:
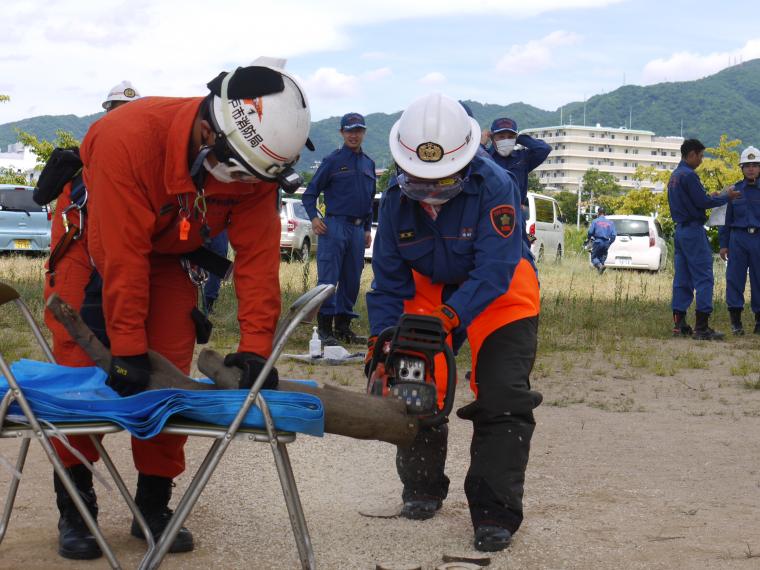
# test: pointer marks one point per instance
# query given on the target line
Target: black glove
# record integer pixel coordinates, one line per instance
(129, 375)
(251, 365)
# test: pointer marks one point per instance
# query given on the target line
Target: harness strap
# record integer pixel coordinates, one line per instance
(60, 250)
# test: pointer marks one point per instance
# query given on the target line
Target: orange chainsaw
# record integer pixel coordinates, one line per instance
(403, 367)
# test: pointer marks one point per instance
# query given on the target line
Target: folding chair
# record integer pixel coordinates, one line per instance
(304, 307)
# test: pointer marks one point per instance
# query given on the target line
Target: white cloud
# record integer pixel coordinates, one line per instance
(536, 54)
(330, 83)
(433, 78)
(377, 74)
(48, 47)
(684, 66)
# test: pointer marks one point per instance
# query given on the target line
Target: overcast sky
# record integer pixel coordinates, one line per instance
(59, 57)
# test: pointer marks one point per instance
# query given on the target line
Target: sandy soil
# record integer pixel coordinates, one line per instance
(628, 470)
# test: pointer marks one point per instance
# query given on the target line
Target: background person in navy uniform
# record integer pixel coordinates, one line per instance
(740, 242)
(449, 244)
(347, 178)
(603, 232)
(520, 162)
(693, 256)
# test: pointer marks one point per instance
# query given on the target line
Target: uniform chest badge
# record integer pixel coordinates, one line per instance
(503, 220)
(466, 233)
(406, 235)
(343, 169)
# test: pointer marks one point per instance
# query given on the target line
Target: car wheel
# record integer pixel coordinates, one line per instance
(558, 257)
(540, 256)
(304, 254)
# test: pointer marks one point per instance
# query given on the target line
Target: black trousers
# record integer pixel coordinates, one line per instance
(503, 424)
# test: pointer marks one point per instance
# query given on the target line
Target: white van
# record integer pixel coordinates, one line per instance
(546, 224)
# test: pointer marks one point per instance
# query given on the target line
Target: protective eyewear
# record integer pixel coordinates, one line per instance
(436, 191)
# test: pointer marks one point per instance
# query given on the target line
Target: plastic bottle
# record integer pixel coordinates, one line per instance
(315, 345)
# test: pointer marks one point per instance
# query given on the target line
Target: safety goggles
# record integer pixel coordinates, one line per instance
(436, 191)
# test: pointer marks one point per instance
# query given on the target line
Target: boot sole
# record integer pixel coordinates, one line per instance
(77, 555)
(176, 547)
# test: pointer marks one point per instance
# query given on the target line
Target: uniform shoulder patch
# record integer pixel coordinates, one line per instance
(503, 220)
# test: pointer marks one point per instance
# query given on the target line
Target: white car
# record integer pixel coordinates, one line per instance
(639, 244)
(544, 221)
(373, 230)
(297, 238)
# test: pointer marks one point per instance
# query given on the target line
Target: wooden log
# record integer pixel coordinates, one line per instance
(163, 373)
(352, 414)
(347, 413)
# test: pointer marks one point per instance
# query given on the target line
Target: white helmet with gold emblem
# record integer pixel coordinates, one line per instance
(434, 138)
(122, 92)
(750, 155)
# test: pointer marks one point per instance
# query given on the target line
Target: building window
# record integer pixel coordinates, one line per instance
(626, 151)
(612, 136)
(635, 151)
(591, 161)
(564, 133)
(612, 163)
(592, 135)
(601, 149)
(625, 164)
(625, 177)
(603, 135)
(562, 160)
(672, 153)
(654, 153)
(599, 162)
(564, 147)
(626, 137)
(591, 148)
(636, 138)
(609, 149)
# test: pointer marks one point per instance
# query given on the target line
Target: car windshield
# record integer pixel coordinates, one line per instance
(21, 199)
(634, 228)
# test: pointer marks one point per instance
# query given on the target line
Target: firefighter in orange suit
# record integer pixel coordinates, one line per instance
(165, 175)
(450, 244)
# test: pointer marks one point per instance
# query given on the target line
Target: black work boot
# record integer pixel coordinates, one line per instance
(492, 538)
(757, 324)
(344, 333)
(736, 321)
(75, 541)
(680, 326)
(152, 498)
(420, 509)
(325, 330)
(701, 329)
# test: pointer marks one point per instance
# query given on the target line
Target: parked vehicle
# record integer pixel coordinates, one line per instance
(639, 244)
(297, 238)
(24, 225)
(375, 214)
(545, 223)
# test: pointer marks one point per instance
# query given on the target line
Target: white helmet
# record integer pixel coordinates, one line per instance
(750, 155)
(261, 118)
(123, 91)
(434, 138)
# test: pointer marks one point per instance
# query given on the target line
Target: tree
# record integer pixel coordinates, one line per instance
(384, 179)
(10, 176)
(534, 185)
(598, 184)
(4, 98)
(722, 167)
(307, 175)
(43, 148)
(568, 203)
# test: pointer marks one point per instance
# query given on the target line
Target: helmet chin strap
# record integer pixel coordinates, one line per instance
(197, 171)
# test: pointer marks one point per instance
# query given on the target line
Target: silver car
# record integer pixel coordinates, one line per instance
(297, 239)
(24, 225)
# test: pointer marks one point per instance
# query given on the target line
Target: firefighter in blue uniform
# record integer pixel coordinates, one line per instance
(347, 178)
(693, 256)
(450, 244)
(740, 242)
(602, 231)
(520, 162)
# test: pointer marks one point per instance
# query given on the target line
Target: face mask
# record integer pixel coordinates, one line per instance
(505, 146)
(433, 192)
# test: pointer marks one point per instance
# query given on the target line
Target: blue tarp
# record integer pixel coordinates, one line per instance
(64, 394)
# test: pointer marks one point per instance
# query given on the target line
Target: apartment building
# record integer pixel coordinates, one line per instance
(576, 149)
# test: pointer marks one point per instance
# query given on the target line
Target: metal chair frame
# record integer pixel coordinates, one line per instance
(304, 307)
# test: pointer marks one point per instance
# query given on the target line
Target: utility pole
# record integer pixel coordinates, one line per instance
(578, 210)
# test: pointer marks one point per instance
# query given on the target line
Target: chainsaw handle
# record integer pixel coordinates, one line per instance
(378, 355)
(442, 415)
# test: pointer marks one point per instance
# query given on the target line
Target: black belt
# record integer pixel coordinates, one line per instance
(692, 223)
(748, 230)
(349, 219)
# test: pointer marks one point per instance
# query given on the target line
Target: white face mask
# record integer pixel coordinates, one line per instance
(505, 146)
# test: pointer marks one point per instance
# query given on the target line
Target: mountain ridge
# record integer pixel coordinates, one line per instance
(725, 102)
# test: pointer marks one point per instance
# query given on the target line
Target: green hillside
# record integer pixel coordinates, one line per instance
(727, 102)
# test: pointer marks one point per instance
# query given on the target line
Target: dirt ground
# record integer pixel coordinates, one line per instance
(628, 469)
